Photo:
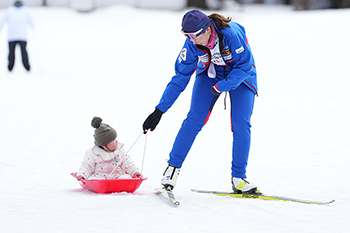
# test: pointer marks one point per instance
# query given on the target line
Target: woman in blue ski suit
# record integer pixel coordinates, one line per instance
(218, 50)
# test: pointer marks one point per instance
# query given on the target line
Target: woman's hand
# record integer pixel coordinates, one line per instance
(152, 121)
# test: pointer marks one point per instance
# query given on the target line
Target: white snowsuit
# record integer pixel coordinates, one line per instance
(98, 164)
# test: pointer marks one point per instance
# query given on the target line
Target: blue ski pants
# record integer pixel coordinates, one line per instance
(202, 103)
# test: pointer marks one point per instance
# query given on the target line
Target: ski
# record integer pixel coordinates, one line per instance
(168, 193)
(259, 195)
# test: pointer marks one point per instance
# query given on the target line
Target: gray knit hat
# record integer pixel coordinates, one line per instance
(104, 134)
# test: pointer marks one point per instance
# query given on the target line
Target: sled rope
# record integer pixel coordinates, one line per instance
(144, 152)
(134, 142)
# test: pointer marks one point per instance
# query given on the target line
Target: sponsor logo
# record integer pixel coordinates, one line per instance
(226, 52)
(216, 57)
(239, 50)
(228, 57)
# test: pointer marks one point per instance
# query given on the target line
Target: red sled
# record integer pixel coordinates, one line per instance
(111, 186)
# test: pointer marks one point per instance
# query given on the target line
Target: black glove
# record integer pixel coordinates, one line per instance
(215, 91)
(152, 121)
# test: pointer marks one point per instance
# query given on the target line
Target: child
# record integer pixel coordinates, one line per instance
(107, 159)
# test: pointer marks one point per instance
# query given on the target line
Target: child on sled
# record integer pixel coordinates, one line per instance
(107, 159)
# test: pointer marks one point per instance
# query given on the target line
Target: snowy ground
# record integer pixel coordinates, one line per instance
(115, 63)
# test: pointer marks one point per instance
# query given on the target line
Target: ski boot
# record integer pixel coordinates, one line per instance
(170, 176)
(241, 185)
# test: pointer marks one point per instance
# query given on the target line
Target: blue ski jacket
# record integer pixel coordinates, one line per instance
(236, 53)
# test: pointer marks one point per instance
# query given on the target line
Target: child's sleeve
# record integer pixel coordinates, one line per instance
(87, 167)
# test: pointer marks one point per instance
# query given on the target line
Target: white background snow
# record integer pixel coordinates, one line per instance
(115, 63)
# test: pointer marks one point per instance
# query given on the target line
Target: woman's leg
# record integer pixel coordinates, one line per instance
(201, 106)
(242, 103)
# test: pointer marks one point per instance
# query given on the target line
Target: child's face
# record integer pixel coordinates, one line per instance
(112, 146)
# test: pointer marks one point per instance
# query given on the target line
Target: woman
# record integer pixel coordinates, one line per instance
(218, 50)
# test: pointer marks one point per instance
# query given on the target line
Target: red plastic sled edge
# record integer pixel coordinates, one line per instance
(111, 186)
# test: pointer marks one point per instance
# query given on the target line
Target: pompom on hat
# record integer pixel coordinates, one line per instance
(195, 20)
(104, 134)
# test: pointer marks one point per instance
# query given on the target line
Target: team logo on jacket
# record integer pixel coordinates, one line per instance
(226, 51)
(183, 54)
(227, 54)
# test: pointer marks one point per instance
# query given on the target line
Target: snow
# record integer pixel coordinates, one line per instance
(115, 63)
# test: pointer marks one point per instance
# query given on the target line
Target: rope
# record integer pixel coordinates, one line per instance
(134, 142)
(144, 152)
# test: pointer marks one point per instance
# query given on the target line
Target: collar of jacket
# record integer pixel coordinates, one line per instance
(207, 51)
(107, 155)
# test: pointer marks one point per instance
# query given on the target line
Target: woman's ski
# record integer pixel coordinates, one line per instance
(259, 195)
(168, 193)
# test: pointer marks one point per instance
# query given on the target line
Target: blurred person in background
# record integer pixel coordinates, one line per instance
(18, 19)
(217, 49)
